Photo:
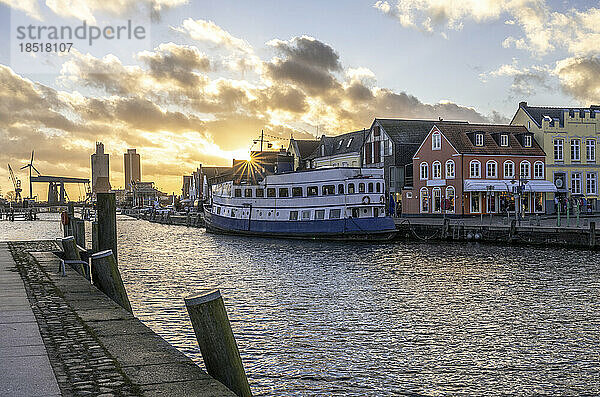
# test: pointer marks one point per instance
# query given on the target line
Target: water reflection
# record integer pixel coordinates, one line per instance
(316, 318)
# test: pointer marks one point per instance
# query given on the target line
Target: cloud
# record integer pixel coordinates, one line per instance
(526, 81)
(30, 7)
(579, 78)
(543, 30)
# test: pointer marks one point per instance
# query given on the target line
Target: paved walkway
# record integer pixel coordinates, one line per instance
(25, 369)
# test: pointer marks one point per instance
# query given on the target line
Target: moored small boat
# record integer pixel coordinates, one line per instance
(328, 203)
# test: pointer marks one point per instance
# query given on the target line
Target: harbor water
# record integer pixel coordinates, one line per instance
(360, 319)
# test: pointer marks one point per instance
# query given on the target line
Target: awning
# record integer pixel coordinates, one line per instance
(540, 186)
(484, 185)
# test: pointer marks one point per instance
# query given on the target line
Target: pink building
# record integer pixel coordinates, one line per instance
(467, 169)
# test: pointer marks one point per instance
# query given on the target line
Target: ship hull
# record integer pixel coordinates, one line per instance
(367, 229)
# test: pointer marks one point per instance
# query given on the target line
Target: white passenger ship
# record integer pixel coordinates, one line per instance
(331, 203)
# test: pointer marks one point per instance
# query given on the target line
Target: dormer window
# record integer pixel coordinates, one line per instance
(340, 144)
(527, 141)
(504, 140)
(349, 142)
(478, 139)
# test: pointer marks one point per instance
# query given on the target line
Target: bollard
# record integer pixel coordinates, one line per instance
(513, 230)
(80, 232)
(445, 227)
(106, 276)
(592, 234)
(95, 236)
(217, 343)
(107, 223)
(70, 249)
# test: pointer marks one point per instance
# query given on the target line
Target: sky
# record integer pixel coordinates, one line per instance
(208, 76)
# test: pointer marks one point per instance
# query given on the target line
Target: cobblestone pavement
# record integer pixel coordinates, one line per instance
(82, 365)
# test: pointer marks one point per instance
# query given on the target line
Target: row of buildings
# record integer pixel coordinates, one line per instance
(543, 159)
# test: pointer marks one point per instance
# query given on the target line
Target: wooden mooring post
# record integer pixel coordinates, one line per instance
(217, 343)
(106, 276)
(80, 232)
(107, 223)
(592, 234)
(95, 236)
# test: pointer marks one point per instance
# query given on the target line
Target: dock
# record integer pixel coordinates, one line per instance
(60, 335)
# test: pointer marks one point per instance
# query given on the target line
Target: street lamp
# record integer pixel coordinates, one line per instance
(518, 190)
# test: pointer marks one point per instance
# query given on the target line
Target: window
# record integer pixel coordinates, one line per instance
(238, 193)
(436, 170)
(449, 207)
(591, 183)
(504, 140)
(576, 183)
(328, 190)
(575, 150)
(424, 199)
(370, 187)
(341, 188)
(320, 214)
(335, 213)
(436, 141)
(293, 215)
(270, 192)
(306, 215)
(491, 169)
(479, 139)
(260, 192)
(590, 150)
(527, 141)
(351, 188)
(284, 192)
(361, 187)
(340, 144)
(525, 170)
(424, 171)
(248, 193)
(312, 191)
(475, 168)
(475, 202)
(349, 142)
(437, 200)
(558, 150)
(509, 169)
(378, 187)
(538, 170)
(450, 169)
(297, 191)
(376, 130)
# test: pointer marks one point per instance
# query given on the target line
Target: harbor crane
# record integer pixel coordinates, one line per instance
(16, 183)
(31, 167)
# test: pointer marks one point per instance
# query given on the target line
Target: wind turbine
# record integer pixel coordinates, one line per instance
(31, 167)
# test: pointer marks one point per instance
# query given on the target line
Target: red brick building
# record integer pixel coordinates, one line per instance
(468, 169)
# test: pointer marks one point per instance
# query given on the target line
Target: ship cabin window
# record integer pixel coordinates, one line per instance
(248, 193)
(297, 191)
(238, 192)
(270, 192)
(355, 213)
(378, 187)
(370, 186)
(306, 215)
(361, 187)
(260, 192)
(218, 210)
(232, 213)
(335, 213)
(328, 190)
(375, 212)
(284, 192)
(293, 215)
(312, 191)
(320, 214)
(351, 188)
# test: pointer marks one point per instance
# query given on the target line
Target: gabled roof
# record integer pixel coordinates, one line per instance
(457, 135)
(407, 135)
(350, 142)
(537, 113)
(305, 147)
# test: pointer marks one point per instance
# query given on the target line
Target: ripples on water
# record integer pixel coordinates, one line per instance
(355, 319)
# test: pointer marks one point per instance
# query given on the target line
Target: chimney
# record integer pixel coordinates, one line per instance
(522, 104)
